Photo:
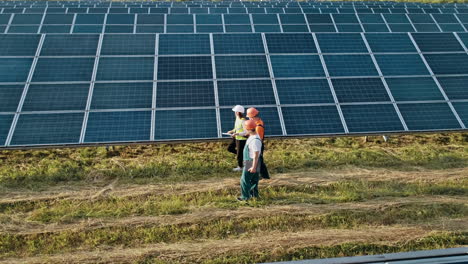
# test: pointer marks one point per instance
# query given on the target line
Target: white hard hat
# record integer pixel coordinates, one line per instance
(238, 108)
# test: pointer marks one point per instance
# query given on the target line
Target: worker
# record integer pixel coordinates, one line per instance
(251, 156)
(252, 114)
(238, 141)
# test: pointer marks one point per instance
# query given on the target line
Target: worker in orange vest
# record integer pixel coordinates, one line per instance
(252, 114)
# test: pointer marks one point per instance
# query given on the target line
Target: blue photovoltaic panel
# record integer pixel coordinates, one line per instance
(55, 29)
(27, 19)
(360, 90)
(243, 92)
(297, 66)
(464, 38)
(238, 43)
(128, 44)
(312, 120)
(462, 110)
(290, 43)
(414, 89)
(175, 44)
(341, 43)
(5, 123)
(185, 94)
(50, 97)
(119, 19)
(405, 64)
(125, 68)
(9, 97)
(390, 42)
(269, 115)
(122, 95)
(150, 19)
(448, 63)
(455, 87)
(183, 68)
(87, 29)
(39, 129)
(61, 19)
(350, 65)
(185, 124)
(428, 116)
(18, 45)
(304, 91)
(89, 19)
(238, 28)
(70, 45)
(123, 126)
(231, 19)
(209, 19)
(179, 19)
(14, 69)
(371, 118)
(63, 69)
(241, 67)
(441, 42)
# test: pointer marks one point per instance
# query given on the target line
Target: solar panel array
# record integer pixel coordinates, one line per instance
(103, 87)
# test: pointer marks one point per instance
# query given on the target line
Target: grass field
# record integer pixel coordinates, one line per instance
(176, 203)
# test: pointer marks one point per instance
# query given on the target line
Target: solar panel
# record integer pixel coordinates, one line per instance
(139, 72)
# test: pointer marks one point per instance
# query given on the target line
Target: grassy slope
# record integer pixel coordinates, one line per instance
(175, 203)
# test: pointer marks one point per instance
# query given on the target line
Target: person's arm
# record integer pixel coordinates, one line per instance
(253, 169)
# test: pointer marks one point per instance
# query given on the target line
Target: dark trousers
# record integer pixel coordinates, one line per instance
(263, 168)
(237, 147)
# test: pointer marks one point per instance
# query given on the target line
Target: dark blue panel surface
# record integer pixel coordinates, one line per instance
(360, 90)
(49, 97)
(33, 129)
(401, 28)
(150, 19)
(295, 28)
(437, 42)
(349, 28)
(396, 18)
(341, 43)
(150, 29)
(175, 44)
(452, 28)
(448, 63)
(290, 43)
(9, 97)
(319, 19)
(426, 28)
(119, 29)
(350, 65)
(210, 29)
(27, 19)
(179, 29)
(238, 43)
(375, 28)
(63, 69)
(18, 45)
(241, 67)
(429, 116)
(297, 66)
(396, 64)
(70, 45)
(264, 19)
(61, 19)
(304, 91)
(464, 38)
(390, 43)
(118, 126)
(185, 124)
(462, 110)
(371, 18)
(292, 19)
(345, 19)
(122, 95)
(455, 87)
(269, 115)
(55, 29)
(209, 19)
(183, 68)
(267, 28)
(243, 93)
(230, 19)
(185, 94)
(128, 44)
(308, 120)
(179, 19)
(238, 28)
(371, 118)
(22, 29)
(414, 89)
(119, 19)
(5, 123)
(125, 68)
(420, 18)
(322, 28)
(14, 70)
(87, 29)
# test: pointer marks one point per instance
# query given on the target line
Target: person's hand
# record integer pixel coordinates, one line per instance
(234, 134)
(253, 170)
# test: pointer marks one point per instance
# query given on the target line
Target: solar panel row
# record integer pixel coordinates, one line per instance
(75, 89)
(230, 23)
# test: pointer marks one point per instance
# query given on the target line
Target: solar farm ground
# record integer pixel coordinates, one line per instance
(176, 203)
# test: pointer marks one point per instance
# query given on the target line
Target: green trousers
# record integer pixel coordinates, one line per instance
(249, 184)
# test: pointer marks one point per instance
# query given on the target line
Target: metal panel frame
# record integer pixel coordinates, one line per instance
(155, 88)
(25, 91)
(215, 86)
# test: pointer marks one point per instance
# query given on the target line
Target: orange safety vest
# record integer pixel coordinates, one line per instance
(260, 129)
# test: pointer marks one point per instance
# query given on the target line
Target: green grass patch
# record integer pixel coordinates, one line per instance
(68, 210)
(36, 169)
(69, 240)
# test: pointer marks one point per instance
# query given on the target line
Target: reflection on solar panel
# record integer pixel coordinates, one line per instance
(162, 71)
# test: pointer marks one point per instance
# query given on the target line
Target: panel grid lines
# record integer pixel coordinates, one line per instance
(392, 99)
(215, 87)
(460, 41)
(25, 91)
(273, 83)
(155, 88)
(335, 98)
(91, 89)
(462, 125)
